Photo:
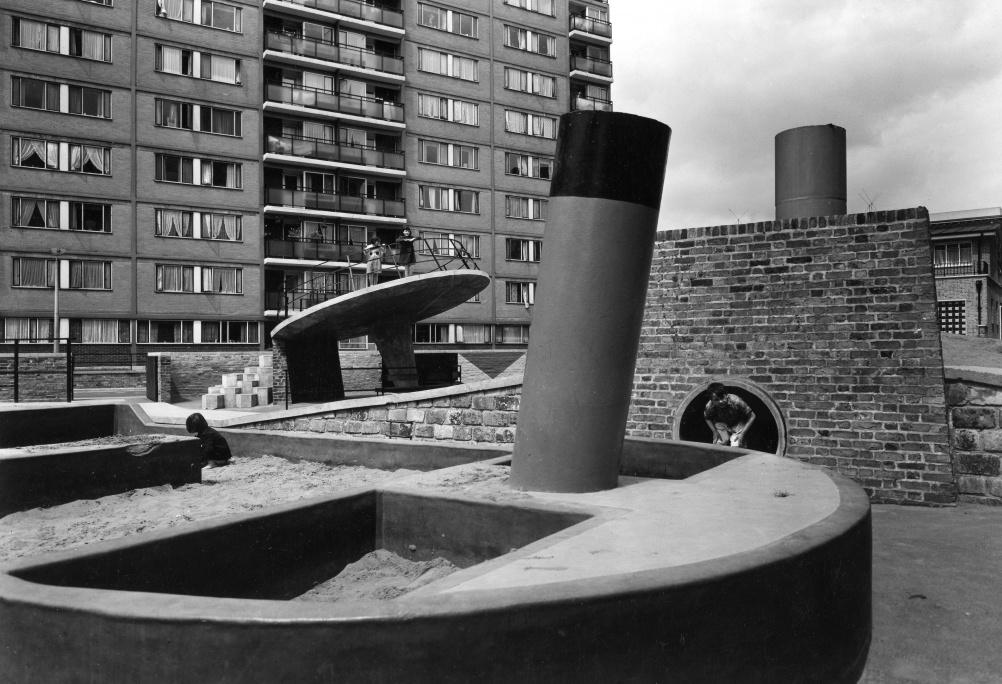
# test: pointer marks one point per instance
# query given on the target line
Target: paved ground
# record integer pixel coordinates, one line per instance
(937, 595)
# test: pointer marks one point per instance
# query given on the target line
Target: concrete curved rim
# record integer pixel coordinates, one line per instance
(415, 298)
(794, 609)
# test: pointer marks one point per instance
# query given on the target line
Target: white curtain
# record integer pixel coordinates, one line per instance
(93, 159)
(175, 278)
(319, 81)
(515, 122)
(93, 45)
(543, 126)
(465, 112)
(222, 280)
(467, 68)
(174, 223)
(224, 69)
(16, 328)
(35, 273)
(542, 85)
(96, 331)
(318, 131)
(170, 59)
(430, 106)
(433, 61)
(32, 34)
(206, 172)
(349, 86)
(33, 149)
(544, 7)
(32, 213)
(172, 9)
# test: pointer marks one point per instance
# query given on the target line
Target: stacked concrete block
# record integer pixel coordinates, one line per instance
(252, 387)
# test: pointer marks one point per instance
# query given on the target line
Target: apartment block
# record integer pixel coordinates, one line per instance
(189, 172)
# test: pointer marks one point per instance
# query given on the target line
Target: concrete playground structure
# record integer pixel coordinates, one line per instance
(305, 344)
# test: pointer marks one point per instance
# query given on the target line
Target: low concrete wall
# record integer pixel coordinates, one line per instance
(974, 399)
(41, 377)
(26, 426)
(49, 478)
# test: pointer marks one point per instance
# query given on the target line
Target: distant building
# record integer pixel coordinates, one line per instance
(967, 259)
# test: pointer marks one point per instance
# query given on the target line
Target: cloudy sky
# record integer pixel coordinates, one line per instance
(917, 84)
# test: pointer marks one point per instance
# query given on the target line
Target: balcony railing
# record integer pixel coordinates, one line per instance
(310, 148)
(359, 10)
(333, 52)
(961, 269)
(593, 65)
(593, 104)
(596, 27)
(324, 201)
(315, 250)
(304, 96)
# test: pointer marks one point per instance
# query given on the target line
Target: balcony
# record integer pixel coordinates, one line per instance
(582, 103)
(591, 68)
(282, 97)
(590, 30)
(313, 250)
(961, 269)
(377, 18)
(299, 50)
(314, 152)
(334, 203)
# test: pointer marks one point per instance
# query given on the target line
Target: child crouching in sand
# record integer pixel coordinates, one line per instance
(215, 450)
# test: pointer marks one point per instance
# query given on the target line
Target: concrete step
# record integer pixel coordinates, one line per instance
(230, 396)
(213, 401)
(246, 400)
(248, 376)
(264, 396)
(216, 389)
(247, 386)
(231, 379)
(264, 360)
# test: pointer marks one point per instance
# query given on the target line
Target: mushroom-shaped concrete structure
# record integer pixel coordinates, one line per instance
(307, 341)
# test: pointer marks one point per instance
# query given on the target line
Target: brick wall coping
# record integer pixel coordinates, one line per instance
(890, 216)
(34, 355)
(984, 376)
(367, 402)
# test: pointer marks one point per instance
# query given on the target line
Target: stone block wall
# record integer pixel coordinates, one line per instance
(41, 377)
(976, 432)
(187, 376)
(831, 320)
(456, 413)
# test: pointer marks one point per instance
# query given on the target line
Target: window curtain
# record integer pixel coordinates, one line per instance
(222, 280)
(319, 82)
(544, 7)
(32, 149)
(171, 60)
(318, 131)
(515, 121)
(223, 69)
(32, 34)
(543, 126)
(543, 85)
(467, 68)
(430, 106)
(32, 213)
(349, 86)
(36, 273)
(98, 331)
(171, 114)
(16, 328)
(174, 223)
(173, 9)
(175, 278)
(465, 112)
(93, 45)
(223, 121)
(206, 172)
(355, 40)
(93, 159)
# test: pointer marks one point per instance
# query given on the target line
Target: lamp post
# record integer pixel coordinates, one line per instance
(56, 252)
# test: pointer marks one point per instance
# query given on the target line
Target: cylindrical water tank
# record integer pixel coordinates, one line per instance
(810, 172)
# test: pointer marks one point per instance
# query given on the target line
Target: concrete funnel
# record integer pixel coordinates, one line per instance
(810, 172)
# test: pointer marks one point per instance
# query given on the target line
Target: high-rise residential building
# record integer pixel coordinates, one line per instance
(180, 170)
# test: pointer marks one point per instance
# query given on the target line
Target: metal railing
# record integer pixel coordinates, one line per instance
(334, 202)
(315, 98)
(961, 269)
(380, 14)
(596, 27)
(592, 104)
(593, 65)
(312, 148)
(333, 52)
(312, 249)
(19, 370)
(298, 294)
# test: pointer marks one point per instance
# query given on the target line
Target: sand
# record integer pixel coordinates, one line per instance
(379, 576)
(245, 485)
(140, 442)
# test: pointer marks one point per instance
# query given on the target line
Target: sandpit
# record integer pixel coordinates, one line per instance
(380, 575)
(245, 485)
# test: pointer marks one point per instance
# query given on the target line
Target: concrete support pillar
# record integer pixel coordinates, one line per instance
(314, 367)
(605, 197)
(392, 336)
(810, 172)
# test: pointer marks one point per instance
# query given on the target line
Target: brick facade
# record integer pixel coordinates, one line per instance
(41, 377)
(184, 376)
(832, 320)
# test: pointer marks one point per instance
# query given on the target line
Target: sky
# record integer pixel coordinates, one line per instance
(917, 84)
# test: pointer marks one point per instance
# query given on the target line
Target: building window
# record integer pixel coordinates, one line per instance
(222, 280)
(43, 154)
(527, 165)
(449, 244)
(215, 14)
(529, 82)
(447, 20)
(99, 331)
(171, 60)
(172, 278)
(954, 258)
(171, 223)
(356, 343)
(165, 332)
(518, 249)
(220, 121)
(29, 272)
(444, 64)
(34, 94)
(174, 114)
(431, 333)
(446, 108)
(448, 199)
(27, 329)
(90, 159)
(517, 292)
(222, 227)
(951, 317)
(90, 275)
(94, 218)
(530, 124)
(448, 154)
(511, 334)
(473, 334)
(540, 6)
(170, 168)
(34, 154)
(530, 41)
(525, 208)
(37, 35)
(232, 332)
(27, 212)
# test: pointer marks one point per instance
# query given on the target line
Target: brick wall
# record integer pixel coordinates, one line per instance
(185, 376)
(965, 289)
(461, 413)
(833, 318)
(976, 435)
(41, 377)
